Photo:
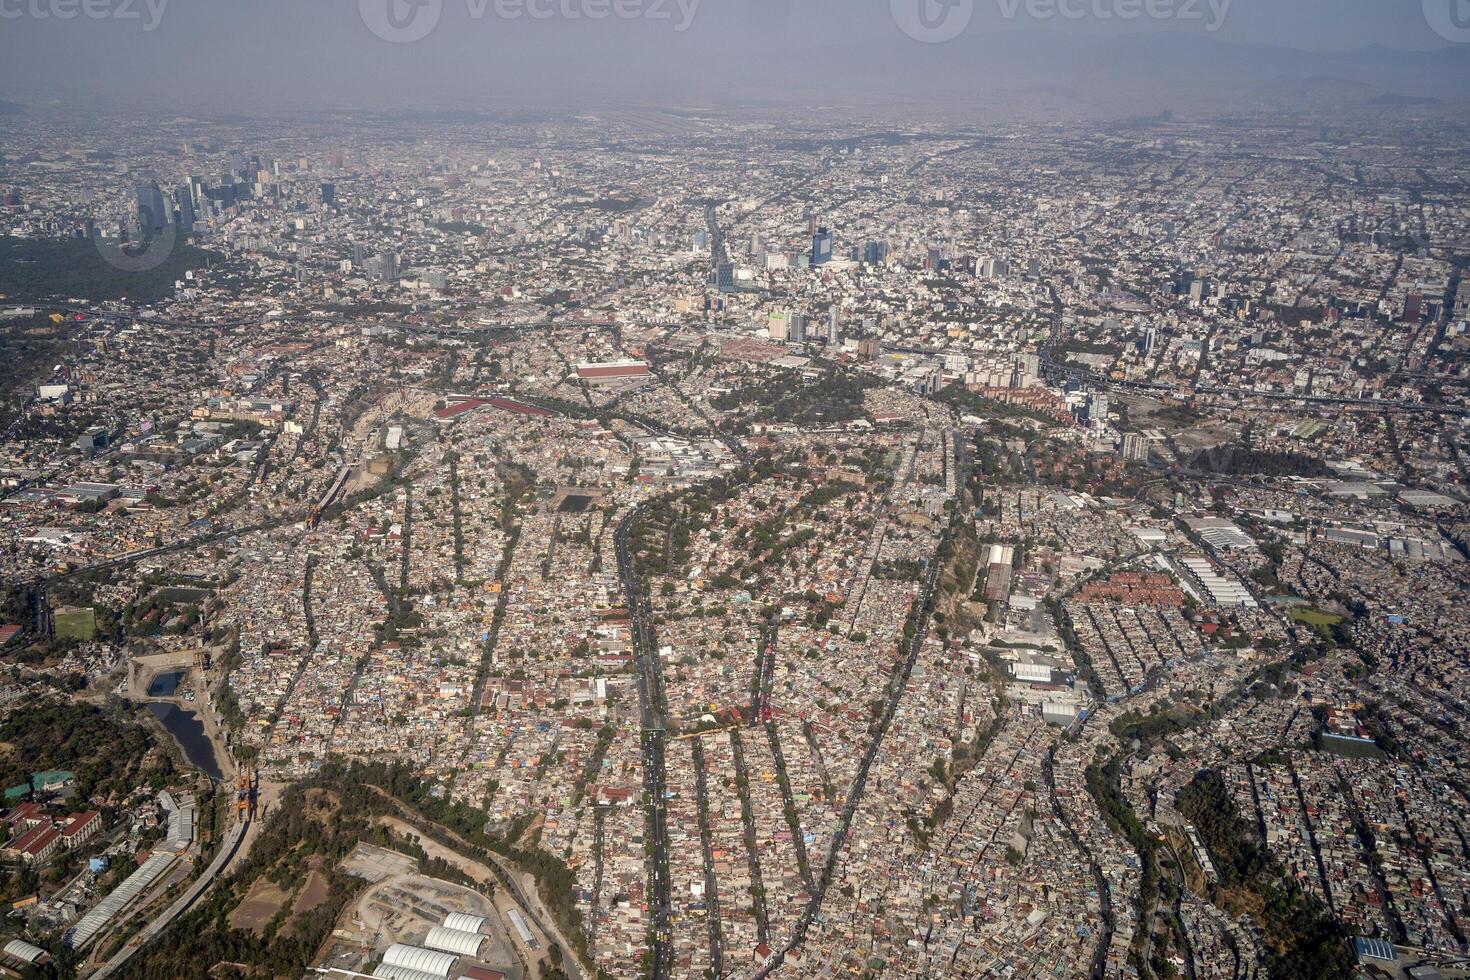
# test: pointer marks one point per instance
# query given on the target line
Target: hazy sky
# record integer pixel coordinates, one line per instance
(281, 53)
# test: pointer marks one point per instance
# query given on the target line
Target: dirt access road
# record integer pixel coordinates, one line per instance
(526, 898)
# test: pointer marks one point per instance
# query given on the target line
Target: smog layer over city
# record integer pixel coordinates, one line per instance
(734, 489)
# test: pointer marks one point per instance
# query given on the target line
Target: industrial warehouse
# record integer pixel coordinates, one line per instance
(453, 948)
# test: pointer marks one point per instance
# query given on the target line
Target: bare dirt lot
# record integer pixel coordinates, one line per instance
(402, 908)
(376, 863)
(264, 900)
(313, 893)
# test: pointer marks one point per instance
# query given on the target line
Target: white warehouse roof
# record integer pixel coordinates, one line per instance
(386, 972)
(464, 922)
(24, 951)
(103, 912)
(455, 941)
(418, 958)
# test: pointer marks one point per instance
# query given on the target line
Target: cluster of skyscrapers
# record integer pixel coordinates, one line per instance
(797, 328)
(157, 212)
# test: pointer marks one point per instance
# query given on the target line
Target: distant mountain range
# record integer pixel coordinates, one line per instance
(1039, 73)
(1137, 73)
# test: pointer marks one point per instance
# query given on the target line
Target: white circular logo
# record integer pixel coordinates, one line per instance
(932, 21)
(142, 256)
(401, 21)
(1450, 19)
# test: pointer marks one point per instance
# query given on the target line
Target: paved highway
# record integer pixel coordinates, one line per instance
(181, 904)
(652, 709)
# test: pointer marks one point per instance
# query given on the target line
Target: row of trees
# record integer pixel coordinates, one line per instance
(34, 268)
(788, 396)
(1242, 461)
(1303, 938)
(102, 746)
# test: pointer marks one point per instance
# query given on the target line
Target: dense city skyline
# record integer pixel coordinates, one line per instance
(601, 489)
